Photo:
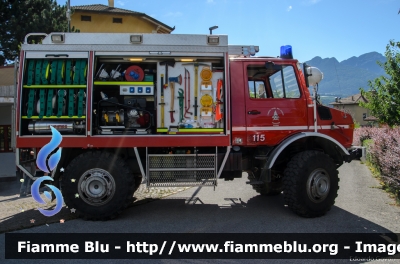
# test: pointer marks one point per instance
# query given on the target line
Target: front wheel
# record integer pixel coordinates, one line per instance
(99, 185)
(310, 183)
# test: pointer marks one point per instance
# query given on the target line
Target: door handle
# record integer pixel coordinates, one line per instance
(254, 112)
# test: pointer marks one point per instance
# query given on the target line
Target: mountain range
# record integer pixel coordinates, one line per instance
(346, 77)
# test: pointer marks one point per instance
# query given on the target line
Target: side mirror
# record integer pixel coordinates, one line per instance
(312, 75)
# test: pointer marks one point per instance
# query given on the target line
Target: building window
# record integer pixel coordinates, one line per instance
(117, 20)
(5, 139)
(86, 18)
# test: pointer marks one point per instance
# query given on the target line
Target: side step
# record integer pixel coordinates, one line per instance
(255, 182)
(174, 170)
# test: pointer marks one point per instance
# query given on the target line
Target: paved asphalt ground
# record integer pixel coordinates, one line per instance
(16, 210)
(361, 207)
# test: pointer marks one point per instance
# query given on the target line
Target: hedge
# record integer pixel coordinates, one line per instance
(383, 148)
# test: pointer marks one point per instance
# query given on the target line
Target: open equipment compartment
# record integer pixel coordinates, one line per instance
(123, 96)
(193, 96)
(54, 89)
(135, 95)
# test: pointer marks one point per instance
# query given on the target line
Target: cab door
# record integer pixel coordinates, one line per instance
(275, 105)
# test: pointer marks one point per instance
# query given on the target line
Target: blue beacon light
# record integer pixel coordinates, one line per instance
(286, 52)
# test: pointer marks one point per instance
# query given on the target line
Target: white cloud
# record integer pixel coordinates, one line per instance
(210, 1)
(121, 3)
(289, 8)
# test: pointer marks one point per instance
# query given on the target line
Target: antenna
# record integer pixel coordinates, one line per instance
(69, 15)
(212, 28)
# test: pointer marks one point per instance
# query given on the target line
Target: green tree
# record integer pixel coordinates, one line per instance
(384, 93)
(20, 17)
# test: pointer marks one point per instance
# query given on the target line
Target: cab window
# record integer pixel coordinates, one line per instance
(257, 89)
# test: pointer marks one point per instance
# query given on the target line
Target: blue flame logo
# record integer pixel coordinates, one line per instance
(47, 166)
(36, 196)
(47, 149)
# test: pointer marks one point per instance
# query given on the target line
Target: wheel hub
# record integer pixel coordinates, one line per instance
(318, 185)
(96, 187)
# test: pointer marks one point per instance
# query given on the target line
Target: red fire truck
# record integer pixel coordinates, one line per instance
(178, 110)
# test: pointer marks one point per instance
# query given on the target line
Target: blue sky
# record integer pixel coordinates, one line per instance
(325, 28)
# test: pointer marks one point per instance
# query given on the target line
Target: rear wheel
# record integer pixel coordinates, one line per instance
(138, 182)
(310, 183)
(99, 185)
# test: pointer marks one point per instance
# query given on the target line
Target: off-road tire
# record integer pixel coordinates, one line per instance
(138, 181)
(91, 169)
(310, 183)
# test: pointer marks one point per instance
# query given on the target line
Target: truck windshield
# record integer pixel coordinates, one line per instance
(272, 82)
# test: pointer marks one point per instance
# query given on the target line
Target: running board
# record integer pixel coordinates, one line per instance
(175, 170)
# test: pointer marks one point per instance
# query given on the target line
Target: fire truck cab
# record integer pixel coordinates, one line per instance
(177, 110)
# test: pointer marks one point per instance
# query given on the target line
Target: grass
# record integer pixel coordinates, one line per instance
(393, 192)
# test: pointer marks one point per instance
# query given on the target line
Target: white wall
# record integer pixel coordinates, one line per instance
(7, 164)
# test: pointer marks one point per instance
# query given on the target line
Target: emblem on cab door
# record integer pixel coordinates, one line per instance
(274, 112)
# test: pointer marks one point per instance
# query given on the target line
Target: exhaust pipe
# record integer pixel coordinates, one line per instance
(43, 127)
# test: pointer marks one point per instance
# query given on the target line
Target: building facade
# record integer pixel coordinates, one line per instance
(351, 105)
(6, 107)
(108, 19)
(7, 155)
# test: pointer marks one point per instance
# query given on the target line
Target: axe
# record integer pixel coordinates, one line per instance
(167, 63)
(172, 81)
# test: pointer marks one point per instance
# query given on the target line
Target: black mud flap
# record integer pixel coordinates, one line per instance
(355, 153)
(233, 166)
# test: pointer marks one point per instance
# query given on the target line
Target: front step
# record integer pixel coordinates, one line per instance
(255, 182)
(174, 170)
